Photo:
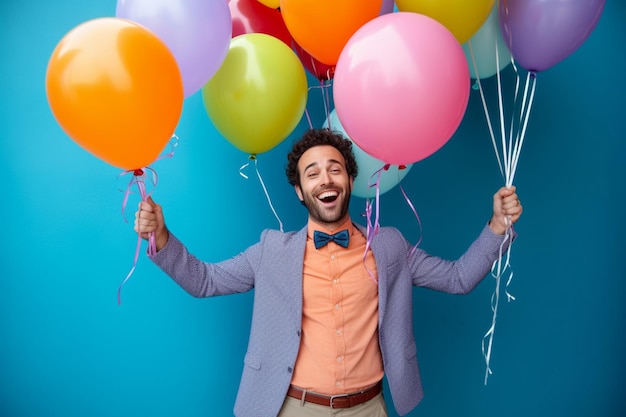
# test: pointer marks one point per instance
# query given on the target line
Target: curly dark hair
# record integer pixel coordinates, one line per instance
(315, 137)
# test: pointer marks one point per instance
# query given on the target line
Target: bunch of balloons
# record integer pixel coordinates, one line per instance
(400, 78)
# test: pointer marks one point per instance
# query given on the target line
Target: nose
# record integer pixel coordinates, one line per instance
(325, 177)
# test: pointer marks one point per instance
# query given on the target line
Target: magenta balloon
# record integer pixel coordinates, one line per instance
(401, 87)
(541, 33)
(198, 33)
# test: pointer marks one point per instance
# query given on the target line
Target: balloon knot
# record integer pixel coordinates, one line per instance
(533, 74)
(401, 167)
(252, 157)
(138, 172)
(386, 167)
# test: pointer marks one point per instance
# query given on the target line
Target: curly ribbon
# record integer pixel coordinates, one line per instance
(139, 179)
(507, 155)
(497, 270)
(325, 88)
(373, 227)
(267, 195)
(417, 217)
(173, 143)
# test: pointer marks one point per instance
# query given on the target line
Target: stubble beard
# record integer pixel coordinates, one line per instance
(322, 215)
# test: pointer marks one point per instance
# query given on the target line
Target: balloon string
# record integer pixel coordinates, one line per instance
(325, 88)
(267, 195)
(507, 163)
(417, 217)
(485, 109)
(524, 116)
(325, 99)
(328, 87)
(308, 117)
(372, 228)
(306, 111)
(495, 297)
(497, 270)
(512, 127)
(173, 143)
(243, 167)
(501, 116)
(138, 179)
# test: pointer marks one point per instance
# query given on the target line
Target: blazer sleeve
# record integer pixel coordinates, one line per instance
(204, 279)
(462, 275)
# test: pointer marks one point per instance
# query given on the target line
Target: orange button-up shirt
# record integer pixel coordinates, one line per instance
(339, 351)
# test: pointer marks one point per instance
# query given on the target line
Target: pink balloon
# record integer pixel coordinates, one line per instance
(401, 87)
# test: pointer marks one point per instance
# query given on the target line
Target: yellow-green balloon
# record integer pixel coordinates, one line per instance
(461, 17)
(258, 96)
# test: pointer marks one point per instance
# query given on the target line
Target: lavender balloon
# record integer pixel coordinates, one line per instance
(387, 7)
(197, 32)
(541, 33)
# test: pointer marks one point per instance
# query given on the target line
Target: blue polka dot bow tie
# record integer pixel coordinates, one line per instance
(341, 238)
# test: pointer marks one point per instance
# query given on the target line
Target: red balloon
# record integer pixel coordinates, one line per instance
(250, 16)
(320, 70)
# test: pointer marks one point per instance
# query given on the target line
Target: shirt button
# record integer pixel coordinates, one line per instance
(335, 281)
(338, 331)
(332, 256)
(336, 306)
(337, 384)
(339, 358)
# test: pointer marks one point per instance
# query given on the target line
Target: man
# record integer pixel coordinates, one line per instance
(332, 314)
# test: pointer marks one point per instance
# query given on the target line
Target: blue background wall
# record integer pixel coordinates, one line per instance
(68, 349)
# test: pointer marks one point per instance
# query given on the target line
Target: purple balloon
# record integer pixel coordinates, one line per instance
(541, 33)
(198, 33)
(387, 7)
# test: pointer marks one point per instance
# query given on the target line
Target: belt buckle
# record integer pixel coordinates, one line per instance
(332, 399)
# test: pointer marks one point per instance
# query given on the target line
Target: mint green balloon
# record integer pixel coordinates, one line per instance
(484, 43)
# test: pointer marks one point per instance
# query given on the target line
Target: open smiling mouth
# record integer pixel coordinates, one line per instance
(328, 196)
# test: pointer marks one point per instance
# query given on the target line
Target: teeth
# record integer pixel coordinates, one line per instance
(328, 194)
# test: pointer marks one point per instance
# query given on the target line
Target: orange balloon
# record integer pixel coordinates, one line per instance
(116, 90)
(323, 27)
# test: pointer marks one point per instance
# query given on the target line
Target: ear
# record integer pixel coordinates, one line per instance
(298, 191)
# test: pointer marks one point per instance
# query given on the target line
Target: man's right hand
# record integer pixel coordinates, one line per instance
(149, 219)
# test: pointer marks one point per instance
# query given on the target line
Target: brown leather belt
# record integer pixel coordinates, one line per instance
(336, 401)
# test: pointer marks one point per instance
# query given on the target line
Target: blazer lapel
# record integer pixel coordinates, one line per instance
(380, 256)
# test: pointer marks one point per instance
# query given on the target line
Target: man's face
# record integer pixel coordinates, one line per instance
(325, 186)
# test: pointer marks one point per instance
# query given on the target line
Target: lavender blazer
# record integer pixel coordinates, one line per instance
(273, 267)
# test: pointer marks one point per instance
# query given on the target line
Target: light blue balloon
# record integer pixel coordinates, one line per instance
(484, 44)
(370, 168)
